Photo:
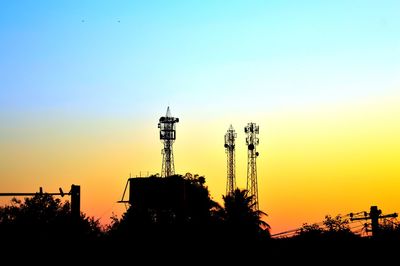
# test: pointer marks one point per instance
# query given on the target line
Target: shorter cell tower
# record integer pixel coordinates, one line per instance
(167, 135)
(252, 131)
(230, 137)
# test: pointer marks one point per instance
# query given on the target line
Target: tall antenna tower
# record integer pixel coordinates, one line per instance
(230, 137)
(252, 131)
(167, 135)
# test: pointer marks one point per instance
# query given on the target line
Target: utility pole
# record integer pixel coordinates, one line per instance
(374, 215)
(75, 202)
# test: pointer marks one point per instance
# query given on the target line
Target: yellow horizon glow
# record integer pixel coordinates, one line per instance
(314, 160)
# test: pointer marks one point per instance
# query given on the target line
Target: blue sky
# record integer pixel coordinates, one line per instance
(76, 55)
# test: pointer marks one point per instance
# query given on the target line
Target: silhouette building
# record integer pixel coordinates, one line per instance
(175, 198)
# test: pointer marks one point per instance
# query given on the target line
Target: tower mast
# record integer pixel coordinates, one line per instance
(252, 131)
(167, 136)
(230, 137)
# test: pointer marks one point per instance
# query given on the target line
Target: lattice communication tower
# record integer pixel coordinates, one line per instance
(252, 131)
(167, 136)
(230, 137)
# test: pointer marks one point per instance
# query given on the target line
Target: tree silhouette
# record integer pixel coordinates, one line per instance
(241, 219)
(43, 218)
(334, 228)
(389, 230)
(310, 231)
(337, 225)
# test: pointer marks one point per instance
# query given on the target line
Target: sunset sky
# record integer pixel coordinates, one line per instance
(83, 84)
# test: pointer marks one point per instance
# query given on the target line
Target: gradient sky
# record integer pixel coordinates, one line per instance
(83, 84)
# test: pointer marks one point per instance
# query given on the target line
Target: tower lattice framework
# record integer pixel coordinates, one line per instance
(167, 136)
(252, 131)
(230, 137)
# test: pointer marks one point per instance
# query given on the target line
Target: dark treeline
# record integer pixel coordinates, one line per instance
(43, 225)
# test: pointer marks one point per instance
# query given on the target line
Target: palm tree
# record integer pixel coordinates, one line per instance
(241, 218)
